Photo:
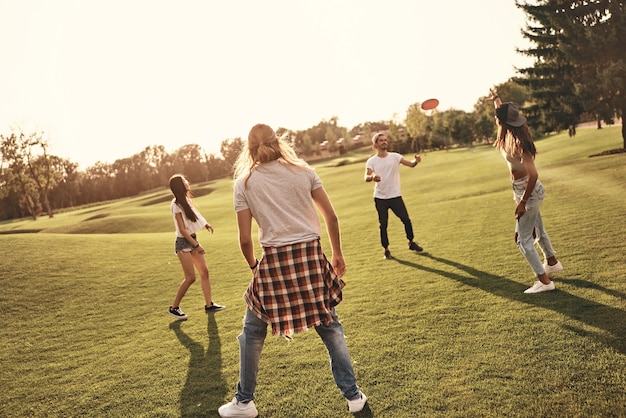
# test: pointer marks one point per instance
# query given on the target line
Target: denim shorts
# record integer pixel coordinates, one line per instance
(183, 245)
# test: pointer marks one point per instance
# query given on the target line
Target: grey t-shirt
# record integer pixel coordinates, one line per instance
(279, 198)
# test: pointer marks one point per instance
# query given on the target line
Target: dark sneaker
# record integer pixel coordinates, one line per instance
(413, 246)
(213, 308)
(388, 255)
(177, 313)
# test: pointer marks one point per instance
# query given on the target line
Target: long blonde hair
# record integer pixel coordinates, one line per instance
(264, 146)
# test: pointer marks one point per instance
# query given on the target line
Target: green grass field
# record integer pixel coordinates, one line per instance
(446, 333)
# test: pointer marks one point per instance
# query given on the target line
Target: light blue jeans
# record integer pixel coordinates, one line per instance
(251, 342)
(529, 227)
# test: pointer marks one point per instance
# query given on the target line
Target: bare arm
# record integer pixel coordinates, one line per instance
(533, 175)
(187, 235)
(493, 96)
(244, 224)
(416, 159)
(370, 175)
(322, 202)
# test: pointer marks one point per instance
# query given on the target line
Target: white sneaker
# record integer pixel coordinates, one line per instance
(236, 409)
(357, 405)
(553, 269)
(540, 287)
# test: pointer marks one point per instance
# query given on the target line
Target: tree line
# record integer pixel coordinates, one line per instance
(578, 75)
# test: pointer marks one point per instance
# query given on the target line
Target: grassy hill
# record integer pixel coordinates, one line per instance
(446, 333)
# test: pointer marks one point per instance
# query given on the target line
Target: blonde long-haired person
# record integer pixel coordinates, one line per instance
(294, 286)
(188, 221)
(516, 145)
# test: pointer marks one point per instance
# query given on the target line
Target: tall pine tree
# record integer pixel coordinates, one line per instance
(580, 61)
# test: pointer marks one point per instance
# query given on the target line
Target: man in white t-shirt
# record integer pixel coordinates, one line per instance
(383, 169)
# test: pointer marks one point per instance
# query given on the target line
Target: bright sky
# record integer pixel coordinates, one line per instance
(105, 79)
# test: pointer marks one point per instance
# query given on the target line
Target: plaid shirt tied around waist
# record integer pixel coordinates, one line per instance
(294, 288)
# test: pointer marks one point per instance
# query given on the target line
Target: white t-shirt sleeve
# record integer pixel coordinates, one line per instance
(191, 227)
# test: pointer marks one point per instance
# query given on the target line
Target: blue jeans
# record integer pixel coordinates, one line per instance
(251, 342)
(529, 227)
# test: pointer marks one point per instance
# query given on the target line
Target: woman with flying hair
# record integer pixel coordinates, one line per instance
(188, 221)
(516, 145)
(294, 286)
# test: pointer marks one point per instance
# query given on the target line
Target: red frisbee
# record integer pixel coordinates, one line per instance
(430, 104)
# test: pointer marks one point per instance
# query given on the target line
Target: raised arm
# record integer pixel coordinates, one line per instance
(416, 159)
(493, 96)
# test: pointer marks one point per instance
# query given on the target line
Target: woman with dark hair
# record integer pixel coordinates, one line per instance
(516, 145)
(188, 221)
(295, 287)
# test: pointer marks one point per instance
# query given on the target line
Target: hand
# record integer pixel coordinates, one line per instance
(209, 228)
(520, 210)
(200, 250)
(493, 95)
(339, 265)
(376, 178)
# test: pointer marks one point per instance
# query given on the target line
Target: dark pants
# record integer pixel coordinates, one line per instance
(397, 206)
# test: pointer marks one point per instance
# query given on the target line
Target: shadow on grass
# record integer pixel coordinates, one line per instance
(366, 412)
(205, 388)
(603, 317)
